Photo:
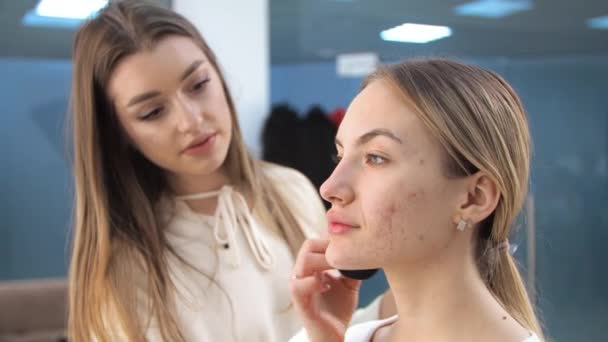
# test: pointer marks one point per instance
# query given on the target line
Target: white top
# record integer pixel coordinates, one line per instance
(363, 332)
(244, 295)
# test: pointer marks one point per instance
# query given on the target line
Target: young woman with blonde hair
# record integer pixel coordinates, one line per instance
(434, 159)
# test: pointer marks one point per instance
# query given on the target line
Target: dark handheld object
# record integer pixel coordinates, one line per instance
(359, 274)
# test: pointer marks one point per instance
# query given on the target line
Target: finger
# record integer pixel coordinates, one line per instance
(303, 289)
(314, 246)
(309, 264)
(348, 283)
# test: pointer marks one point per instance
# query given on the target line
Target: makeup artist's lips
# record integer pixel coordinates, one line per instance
(200, 145)
(337, 224)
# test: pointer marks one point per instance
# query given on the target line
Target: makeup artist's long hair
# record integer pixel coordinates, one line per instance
(116, 228)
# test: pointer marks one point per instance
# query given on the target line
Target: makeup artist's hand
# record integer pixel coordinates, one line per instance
(325, 303)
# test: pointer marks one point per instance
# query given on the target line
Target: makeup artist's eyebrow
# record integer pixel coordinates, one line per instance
(143, 97)
(150, 94)
(191, 68)
(367, 137)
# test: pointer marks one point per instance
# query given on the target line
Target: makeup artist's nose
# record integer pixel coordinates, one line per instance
(190, 116)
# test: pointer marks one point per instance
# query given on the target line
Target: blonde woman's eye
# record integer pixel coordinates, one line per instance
(374, 159)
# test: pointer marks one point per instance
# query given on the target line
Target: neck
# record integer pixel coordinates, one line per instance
(190, 184)
(440, 298)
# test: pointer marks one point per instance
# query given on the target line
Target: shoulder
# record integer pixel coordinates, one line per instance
(282, 174)
(532, 338)
(507, 330)
(291, 183)
(298, 192)
(363, 332)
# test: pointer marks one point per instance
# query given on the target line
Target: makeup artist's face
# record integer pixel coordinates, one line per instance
(171, 103)
(391, 202)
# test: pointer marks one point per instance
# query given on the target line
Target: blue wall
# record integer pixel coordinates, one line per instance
(34, 174)
(568, 108)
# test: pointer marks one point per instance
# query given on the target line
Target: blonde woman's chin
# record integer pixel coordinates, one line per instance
(341, 259)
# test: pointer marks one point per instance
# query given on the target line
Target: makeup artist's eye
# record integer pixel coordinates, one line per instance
(374, 159)
(198, 86)
(151, 114)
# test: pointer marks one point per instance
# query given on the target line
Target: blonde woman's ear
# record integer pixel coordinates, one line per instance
(482, 199)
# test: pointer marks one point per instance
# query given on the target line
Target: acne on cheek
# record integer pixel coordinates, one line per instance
(384, 229)
(386, 219)
(413, 197)
(387, 237)
(389, 218)
(396, 212)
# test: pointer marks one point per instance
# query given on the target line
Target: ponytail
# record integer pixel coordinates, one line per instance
(504, 281)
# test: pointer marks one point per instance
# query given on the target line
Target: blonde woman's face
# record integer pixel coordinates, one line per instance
(171, 104)
(391, 202)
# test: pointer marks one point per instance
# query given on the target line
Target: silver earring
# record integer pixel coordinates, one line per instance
(461, 225)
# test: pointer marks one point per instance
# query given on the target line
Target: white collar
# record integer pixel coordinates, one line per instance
(231, 210)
